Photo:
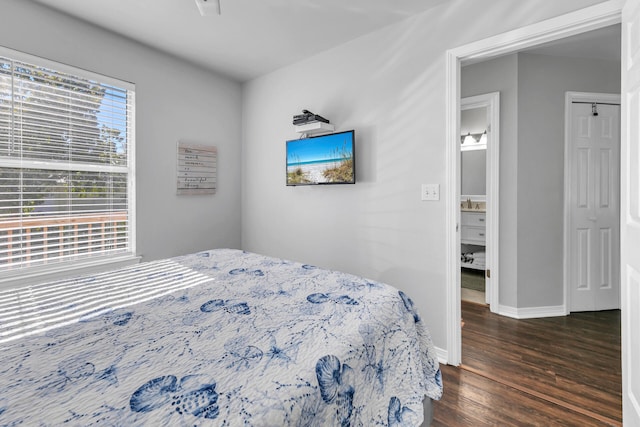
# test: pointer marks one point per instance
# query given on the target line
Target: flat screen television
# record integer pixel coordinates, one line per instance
(322, 159)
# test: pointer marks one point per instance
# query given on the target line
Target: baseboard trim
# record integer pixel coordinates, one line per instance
(443, 356)
(532, 312)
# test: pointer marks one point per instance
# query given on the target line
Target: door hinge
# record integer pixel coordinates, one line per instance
(488, 274)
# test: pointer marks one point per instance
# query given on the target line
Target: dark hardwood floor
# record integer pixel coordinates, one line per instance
(560, 371)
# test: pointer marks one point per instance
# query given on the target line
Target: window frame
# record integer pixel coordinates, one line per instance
(34, 274)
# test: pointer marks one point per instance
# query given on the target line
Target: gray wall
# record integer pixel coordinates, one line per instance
(174, 101)
(542, 83)
(389, 87)
(532, 151)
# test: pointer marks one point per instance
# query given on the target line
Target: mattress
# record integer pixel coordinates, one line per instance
(221, 338)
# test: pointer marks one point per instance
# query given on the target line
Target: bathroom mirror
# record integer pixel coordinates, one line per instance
(473, 162)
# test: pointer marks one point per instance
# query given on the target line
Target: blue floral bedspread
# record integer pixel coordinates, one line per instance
(258, 341)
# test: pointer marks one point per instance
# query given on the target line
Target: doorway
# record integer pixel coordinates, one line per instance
(479, 197)
(596, 17)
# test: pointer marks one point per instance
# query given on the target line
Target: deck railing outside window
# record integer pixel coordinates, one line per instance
(36, 240)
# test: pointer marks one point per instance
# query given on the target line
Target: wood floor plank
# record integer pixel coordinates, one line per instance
(561, 371)
(472, 400)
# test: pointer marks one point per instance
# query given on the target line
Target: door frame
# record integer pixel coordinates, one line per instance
(588, 19)
(570, 98)
(630, 212)
(491, 102)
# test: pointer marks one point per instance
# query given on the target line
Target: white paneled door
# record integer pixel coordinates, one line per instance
(630, 213)
(594, 249)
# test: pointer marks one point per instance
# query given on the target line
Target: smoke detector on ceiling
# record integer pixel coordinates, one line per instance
(208, 7)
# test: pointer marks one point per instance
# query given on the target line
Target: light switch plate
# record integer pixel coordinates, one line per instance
(430, 191)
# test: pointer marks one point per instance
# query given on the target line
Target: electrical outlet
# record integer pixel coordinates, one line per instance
(430, 191)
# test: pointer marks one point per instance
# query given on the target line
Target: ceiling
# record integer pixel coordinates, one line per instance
(250, 37)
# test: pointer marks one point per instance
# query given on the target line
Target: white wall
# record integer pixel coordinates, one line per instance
(174, 101)
(389, 87)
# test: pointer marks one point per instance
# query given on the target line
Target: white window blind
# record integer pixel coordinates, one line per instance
(66, 169)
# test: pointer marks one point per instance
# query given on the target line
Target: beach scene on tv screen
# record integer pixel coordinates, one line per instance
(321, 160)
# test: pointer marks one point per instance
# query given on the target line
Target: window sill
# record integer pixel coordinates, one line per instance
(20, 279)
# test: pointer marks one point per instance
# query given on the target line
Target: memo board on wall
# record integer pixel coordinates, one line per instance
(197, 169)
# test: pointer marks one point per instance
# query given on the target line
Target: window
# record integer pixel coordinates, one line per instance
(66, 165)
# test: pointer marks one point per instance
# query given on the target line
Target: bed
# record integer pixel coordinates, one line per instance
(222, 338)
